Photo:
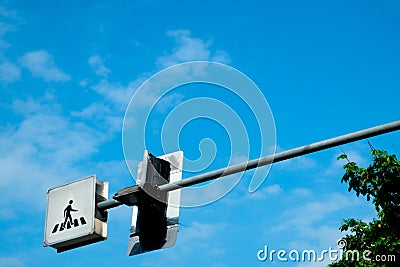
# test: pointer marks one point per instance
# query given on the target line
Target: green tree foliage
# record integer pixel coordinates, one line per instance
(379, 183)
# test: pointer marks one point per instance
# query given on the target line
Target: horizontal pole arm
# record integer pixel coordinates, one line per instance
(281, 156)
(288, 154)
(108, 204)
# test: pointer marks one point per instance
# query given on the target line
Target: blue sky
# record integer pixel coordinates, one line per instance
(69, 69)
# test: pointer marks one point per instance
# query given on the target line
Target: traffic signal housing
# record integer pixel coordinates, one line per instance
(155, 215)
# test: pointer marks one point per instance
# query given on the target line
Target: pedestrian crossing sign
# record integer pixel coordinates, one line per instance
(72, 219)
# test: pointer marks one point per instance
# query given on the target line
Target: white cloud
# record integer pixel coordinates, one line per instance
(198, 230)
(357, 153)
(314, 224)
(10, 15)
(83, 82)
(92, 111)
(262, 193)
(102, 115)
(310, 220)
(96, 63)
(314, 211)
(302, 192)
(41, 64)
(42, 151)
(319, 238)
(189, 49)
(11, 262)
(117, 96)
(108, 114)
(115, 93)
(296, 164)
(192, 238)
(168, 101)
(273, 189)
(209, 192)
(313, 264)
(198, 235)
(9, 72)
(7, 214)
(30, 106)
(113, 171)
(5, 28)
(4, 12)
(221, 57)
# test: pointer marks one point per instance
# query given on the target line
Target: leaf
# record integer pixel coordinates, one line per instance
(379, 182)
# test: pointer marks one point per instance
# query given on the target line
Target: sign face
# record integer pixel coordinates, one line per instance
(71, 215)
(173, 201)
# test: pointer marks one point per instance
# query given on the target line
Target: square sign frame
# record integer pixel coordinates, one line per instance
(72, 219)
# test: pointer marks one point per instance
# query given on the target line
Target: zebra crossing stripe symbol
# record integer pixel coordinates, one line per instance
(68, 221)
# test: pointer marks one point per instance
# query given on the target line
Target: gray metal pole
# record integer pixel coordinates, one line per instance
(108, 204)
(288, 154)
